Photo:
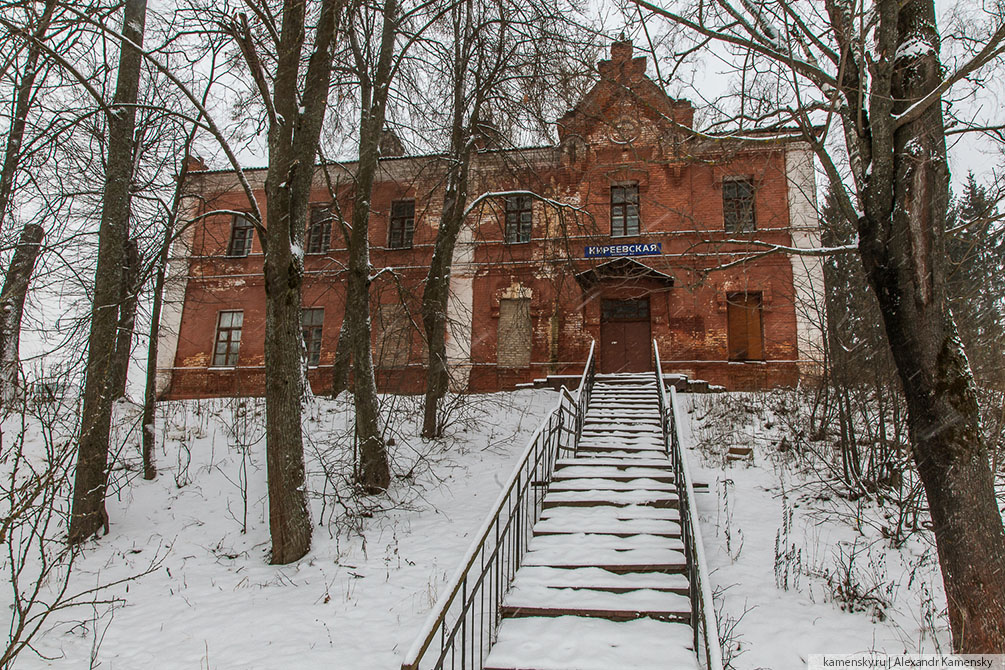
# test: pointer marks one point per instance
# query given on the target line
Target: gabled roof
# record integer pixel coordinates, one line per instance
(621, 268)
(623, 78)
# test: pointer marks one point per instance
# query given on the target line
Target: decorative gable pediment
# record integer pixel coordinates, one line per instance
(624, 104)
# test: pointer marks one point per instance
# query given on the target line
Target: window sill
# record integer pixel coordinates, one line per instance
(221, 368)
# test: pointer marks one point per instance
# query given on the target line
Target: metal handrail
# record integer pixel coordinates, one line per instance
(703, 620)
(466, 615)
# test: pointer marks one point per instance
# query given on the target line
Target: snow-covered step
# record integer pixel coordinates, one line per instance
(594, 542)
(627, 451)
(594, 483)
(599, 579)
(597, 497)
(588, 643)
(619, 402)
(618, 463)
(620, 427)
(591, 551)
(624, 474)
(605, 512)
(613, 438)
(622, 421)
(593, 435)
(613, 442)
(542, 600)
(608, 526)
(627, 455)
(617, 436)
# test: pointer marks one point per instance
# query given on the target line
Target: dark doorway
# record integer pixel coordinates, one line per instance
(625, 336)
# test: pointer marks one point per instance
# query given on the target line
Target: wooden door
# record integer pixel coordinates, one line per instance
(745, 332)
(625, 336)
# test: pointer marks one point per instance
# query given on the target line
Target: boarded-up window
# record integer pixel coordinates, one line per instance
(746, 335)
(513, 348)
(394, 337)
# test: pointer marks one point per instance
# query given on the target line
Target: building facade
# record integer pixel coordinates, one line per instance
(633, 227)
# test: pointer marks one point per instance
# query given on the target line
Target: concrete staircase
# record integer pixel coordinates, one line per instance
(603, 585)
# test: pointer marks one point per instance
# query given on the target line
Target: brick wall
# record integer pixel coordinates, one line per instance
(531, 287)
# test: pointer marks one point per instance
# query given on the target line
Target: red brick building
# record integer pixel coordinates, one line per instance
(633, 216)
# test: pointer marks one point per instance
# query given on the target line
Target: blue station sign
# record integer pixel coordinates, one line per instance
(611, 250)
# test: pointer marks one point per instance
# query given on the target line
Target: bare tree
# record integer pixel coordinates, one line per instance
(486, 57)
(872, 73)
(295, 106)
(24, 95)
(374, 472)
(88, 513)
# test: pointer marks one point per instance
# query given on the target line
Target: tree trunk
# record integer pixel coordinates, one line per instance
(88, 506)
(289, 516)
(374, 473)
(901, 237)
(23, 98)
(294, 134)
(150, 390)
(12, 297)
(127, 319)
(437, 290)
(343, 358)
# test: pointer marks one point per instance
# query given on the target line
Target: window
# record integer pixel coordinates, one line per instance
(318, 230)
(513, 347)
(624, 210)
(394, 337)
(242, 232)
(402, 224)
(228, 339)
(745, 334)
(738, 205)
(519, 217)
(311, 320)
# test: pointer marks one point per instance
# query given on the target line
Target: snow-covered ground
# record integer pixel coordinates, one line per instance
(354, 602)
(788, 559)
(799, 569)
